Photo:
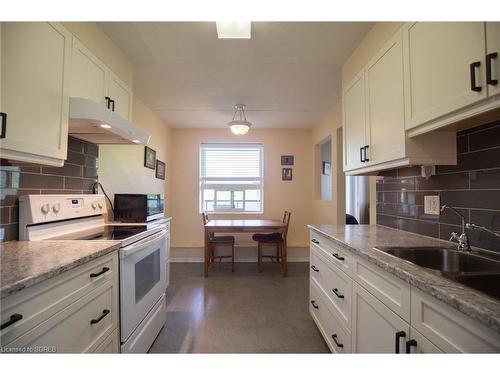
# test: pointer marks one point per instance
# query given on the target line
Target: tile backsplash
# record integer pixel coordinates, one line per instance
(75, 177)
(473, 185)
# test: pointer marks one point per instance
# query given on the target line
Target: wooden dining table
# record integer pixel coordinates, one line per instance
(245, 226)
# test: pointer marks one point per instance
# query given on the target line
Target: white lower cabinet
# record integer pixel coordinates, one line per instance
(418, 344)
(383, 314)
(74, 312)
(336, 336)
(375, 328)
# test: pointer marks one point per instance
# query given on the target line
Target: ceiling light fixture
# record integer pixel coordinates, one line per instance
(233, 30)
(239, 124)
(136, 141)
(105, 126)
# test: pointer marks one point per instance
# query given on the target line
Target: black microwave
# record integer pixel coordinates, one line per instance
(139, 208)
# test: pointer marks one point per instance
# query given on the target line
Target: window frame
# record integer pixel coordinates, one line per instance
(231, 187)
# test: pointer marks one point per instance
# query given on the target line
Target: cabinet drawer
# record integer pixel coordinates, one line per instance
(390, 290)
(335, 284)
(111, 344)
(39, 302)
(336, 254)
(336, 336)
(71, 330)
(448, 329)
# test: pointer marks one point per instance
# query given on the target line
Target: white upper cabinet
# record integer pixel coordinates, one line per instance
(354, 122)
(385, 104)
(89, 75)
(445, 72)
(374, 119)
(121, 97)
(35, 65)
(492, 64)
(92, 80)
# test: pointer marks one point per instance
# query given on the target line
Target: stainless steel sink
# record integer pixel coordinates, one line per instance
(473, 269)
(446, 260)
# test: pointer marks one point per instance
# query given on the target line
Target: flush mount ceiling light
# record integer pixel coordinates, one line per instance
(233, 30)
(105, 126)
(239, 124)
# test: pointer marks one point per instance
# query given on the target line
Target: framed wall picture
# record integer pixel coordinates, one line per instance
(286, 174)
(149, 158)
(327, 168)
(286, 159)
(160, 169)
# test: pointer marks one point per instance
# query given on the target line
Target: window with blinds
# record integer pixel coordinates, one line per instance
(231, 177)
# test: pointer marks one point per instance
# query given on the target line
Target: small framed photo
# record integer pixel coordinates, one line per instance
(160, 169)
(149, 158)
(286, 159)
(327, 168)
(286, 174)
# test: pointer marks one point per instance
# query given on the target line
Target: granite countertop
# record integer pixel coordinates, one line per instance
(361, 240)
(25, 263)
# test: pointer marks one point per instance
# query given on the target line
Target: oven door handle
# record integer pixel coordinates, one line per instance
(142, 244)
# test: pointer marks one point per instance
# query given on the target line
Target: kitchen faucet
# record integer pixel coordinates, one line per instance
(462, 239)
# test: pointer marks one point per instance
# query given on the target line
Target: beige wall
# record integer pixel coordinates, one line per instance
(121, 167)
(329, 211)
(92, 36)
(279, 195)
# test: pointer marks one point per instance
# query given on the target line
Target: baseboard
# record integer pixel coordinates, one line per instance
(244, 260)
(242, 254)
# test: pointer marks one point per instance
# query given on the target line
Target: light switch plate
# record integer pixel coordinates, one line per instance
(431, 204)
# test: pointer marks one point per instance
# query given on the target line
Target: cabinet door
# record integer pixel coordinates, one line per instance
(420, 345)
(374, 326)
(354, 122)
(492, 47)
(88, 75)
(122, 96)
(438, 58)
(385, 103)
(35, 91)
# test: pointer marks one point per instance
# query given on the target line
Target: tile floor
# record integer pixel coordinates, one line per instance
(241, 312)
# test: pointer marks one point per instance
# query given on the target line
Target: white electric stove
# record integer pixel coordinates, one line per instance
(143, 256)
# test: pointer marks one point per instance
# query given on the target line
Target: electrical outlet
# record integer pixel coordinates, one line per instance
(431, 204)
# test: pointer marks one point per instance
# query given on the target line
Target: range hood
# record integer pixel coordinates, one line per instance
(92, 122)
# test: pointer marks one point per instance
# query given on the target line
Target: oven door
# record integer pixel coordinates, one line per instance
(142, 279)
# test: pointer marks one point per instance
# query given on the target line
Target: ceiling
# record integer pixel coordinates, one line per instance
(288, 74)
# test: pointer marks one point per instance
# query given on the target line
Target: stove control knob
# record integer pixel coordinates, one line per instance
(56, 208)
(45, 208)
(94, 205)
(100, 205)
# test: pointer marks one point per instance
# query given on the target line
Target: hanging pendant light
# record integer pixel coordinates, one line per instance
(239, 125)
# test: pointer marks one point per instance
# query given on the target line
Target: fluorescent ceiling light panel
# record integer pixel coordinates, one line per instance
(233, 30)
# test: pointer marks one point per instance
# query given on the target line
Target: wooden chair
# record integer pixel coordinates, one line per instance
(273, 239)
(221, 241)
